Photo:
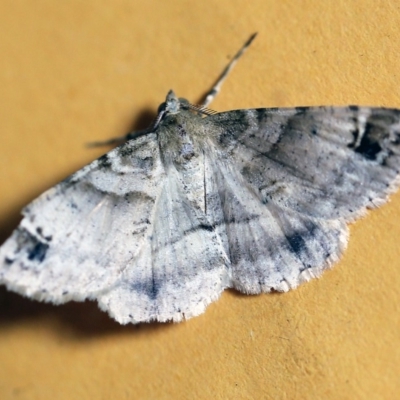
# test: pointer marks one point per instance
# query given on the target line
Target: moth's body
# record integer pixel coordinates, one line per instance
(183, 143)
(256, 200)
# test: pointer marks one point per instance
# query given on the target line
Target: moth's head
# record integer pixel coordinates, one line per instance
(172, 104)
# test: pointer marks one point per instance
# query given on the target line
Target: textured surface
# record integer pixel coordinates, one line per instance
(75, 73)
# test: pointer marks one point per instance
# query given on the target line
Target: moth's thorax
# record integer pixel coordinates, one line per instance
(181, 137)
(182, 141)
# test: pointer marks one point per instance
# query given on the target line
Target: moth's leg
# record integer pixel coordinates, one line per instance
(217, 87)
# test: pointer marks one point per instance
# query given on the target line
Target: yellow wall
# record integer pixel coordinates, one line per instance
(76, 71)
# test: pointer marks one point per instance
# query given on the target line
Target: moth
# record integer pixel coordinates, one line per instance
(255, 200)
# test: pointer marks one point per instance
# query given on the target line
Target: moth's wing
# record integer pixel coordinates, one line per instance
(325, 162)
(77, 238)
(287, 182)
(186, 265)
(269, 247)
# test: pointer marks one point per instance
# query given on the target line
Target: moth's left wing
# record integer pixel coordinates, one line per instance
(122, 231)
(76, 239)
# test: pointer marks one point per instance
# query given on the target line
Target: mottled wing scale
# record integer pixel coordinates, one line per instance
(292, 180)
(269, 247)
(77, 238)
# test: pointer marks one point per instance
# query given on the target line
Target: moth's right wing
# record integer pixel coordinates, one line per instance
(282, 184)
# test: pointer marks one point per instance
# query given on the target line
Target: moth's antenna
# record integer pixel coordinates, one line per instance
(217, 87)
(201, 107)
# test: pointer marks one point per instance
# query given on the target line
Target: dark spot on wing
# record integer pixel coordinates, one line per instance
(38, 252)
(125, 150)
(301, 110)
(377, 131)
(31, 246)
(104, 162)
(205, 227)
(298, 240)
(296, 243)
(8, 260)
(241, 118)
(354, 108)
(369, 146)
(261, 115)
(149, 287)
